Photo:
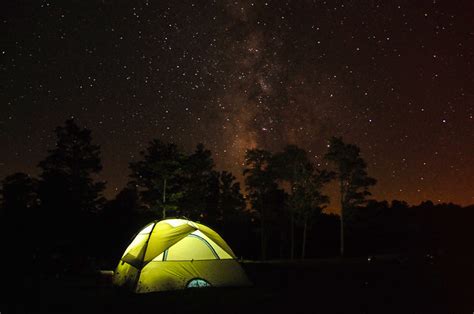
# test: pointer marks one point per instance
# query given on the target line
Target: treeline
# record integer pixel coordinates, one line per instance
(60, 220)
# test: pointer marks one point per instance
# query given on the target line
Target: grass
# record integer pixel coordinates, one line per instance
(311, 286)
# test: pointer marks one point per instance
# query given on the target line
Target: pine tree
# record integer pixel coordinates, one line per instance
(159, 177)
(200, 186)
(261, 188)
(292, 167)
(69, 194)
(351, 172)
(67, 173)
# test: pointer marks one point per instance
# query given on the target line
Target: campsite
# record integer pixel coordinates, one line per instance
(182, 237)
(237, 156)
(170, 254)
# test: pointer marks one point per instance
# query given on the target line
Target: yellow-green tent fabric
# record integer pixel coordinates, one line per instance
(175, 254)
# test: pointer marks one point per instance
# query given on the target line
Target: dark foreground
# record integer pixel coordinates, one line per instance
(386, 285)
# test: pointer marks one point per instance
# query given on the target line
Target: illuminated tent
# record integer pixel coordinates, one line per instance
(177, 254)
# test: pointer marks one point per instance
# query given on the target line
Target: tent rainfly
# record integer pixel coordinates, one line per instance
(175, 254)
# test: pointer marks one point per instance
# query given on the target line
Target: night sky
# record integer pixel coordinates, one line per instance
(394, 77)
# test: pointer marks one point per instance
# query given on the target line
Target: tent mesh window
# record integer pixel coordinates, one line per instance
(198, 283)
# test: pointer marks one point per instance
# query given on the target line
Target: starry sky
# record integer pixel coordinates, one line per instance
(394, 77)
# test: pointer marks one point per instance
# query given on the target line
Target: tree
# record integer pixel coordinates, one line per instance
(70, 196)
(200, 186)
(120, 219)
(231, 200)
(230, 216)
(293, 167)
(18, 194)
(260, 185)
(351, 173)
(307, 199)
(19, 233)
(19, 207)
(67, 173)
(158, 177)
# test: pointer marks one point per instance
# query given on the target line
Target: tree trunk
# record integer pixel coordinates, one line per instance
(164, 198)
(292, 235)
(282, 245)
(303, 249)
(342, 218)
(263, 243)
(292, 217)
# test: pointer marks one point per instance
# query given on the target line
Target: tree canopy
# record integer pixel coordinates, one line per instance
(67, 173)
(351, 173)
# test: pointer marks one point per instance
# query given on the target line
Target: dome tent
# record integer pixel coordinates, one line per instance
(176, 254)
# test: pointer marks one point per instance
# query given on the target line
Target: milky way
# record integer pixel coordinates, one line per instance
(394, 78)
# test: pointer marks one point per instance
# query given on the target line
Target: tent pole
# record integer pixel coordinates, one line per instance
(143, 257)
(164, 198)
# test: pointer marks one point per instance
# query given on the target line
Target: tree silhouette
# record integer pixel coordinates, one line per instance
(261, 187)
(120, 219)
(18, 194)
(67, 172)
(307, 199)
(231, 200)
(19, 207)
(351, 173)
(158, 177)
(68, 192)
(200, 186)
(19, 232)
(292, 166)
(230, 216)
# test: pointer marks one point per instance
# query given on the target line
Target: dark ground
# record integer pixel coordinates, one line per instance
(352, 285)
